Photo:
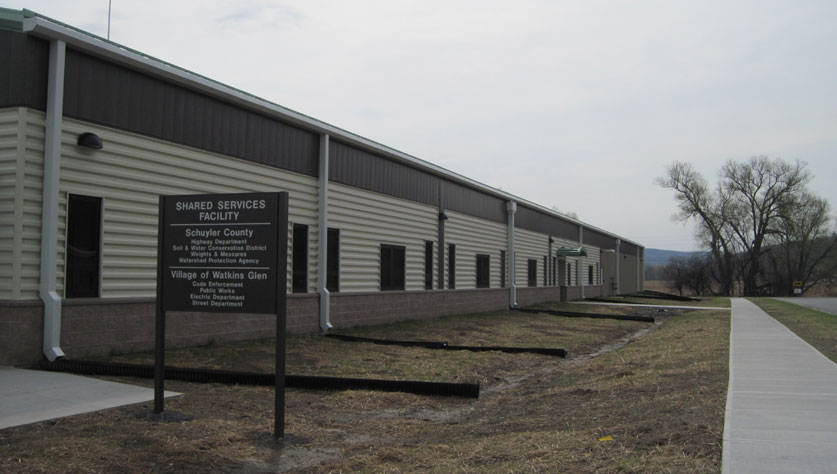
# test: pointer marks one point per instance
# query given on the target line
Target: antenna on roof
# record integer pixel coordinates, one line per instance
(109, 4)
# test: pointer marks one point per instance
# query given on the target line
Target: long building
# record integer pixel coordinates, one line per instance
(92, 133)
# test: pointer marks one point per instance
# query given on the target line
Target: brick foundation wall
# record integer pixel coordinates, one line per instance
(21, 332)
(532, 296)
(354, 309)
(593, 291)
(94, 327)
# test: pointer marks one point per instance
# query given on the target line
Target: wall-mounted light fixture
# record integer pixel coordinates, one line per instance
(551, 240)
(90, 140)
(443, 216)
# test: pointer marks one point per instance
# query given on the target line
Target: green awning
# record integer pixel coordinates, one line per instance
(571, 252)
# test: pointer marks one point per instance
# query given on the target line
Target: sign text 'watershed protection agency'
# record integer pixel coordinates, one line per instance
(219, 253)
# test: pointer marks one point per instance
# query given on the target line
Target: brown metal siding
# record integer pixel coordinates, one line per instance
(359, 168)
(102, 92)
(629, 249)
(23, 78)
(591, 237)
(472, 202)
(531, 219)
(362, 169)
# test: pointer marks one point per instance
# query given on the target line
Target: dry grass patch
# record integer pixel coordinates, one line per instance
(661, 399)
(815, 327)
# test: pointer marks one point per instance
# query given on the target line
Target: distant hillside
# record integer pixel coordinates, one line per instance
(655, 257)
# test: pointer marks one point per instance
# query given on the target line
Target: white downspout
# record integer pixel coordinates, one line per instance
(511, 208)
(48, 290)
(322, 264)
(581, 243)
(618, 259)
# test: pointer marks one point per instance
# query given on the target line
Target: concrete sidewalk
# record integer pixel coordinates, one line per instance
(781, 414)
(30, 396)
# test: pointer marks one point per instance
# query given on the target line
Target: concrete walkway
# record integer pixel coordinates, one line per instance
(30, 396)
(781, 414)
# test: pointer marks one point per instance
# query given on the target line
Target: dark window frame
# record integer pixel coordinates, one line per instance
(452, 266)
(83, 270)
(532, 272)
(569, 273)
(333, 260)
(590, 274)
(483, 272)
(393, 267)
(299, 260)
(502, 268)
(554, 271)
(428, 264)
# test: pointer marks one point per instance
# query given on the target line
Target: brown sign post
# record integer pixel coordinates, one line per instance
(223, 253)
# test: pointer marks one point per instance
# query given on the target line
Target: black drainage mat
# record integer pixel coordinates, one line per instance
(571, 314)
(661, 296)
(446, 346)
(390, 342)
(467, 390)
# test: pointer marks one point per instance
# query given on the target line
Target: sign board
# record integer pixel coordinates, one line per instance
(798, 284)
(797, 291)
(223, 253)
(219, 253)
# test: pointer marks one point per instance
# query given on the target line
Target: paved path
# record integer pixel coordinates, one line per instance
(824, 304)
(30, 396)
(781, 414)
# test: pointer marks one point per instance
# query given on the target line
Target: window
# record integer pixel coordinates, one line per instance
(554, 271)
(299, 274)
(428, 264)
(84, 237)
(483, 271)
(451, 266)
(590, 275)
(569, 273)
(545, 271)
(502, 268)
(533, 272)
(333, 260)
(392, 267)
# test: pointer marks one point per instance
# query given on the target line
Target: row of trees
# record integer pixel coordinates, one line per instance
(761, 226)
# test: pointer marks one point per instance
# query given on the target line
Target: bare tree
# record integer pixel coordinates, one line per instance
(749, 208)
(757, 191)
(696, 201)
(803, 242)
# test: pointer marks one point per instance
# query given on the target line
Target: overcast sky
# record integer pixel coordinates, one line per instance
(574, 105)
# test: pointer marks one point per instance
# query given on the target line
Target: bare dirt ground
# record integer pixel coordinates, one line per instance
(631, 397)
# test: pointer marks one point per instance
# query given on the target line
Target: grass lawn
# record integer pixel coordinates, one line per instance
(631, 397)
(817, 328)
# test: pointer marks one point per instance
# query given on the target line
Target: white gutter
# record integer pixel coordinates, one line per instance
(581, 244)
(322, 266)
(50, 29)
(49, 211)
(511, 208)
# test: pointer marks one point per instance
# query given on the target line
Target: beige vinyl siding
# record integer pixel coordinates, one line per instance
(592, 259)
(573, 280)
(473, 236)
(131, 171)
(366, 220)
(21, 181)
(529, 245)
